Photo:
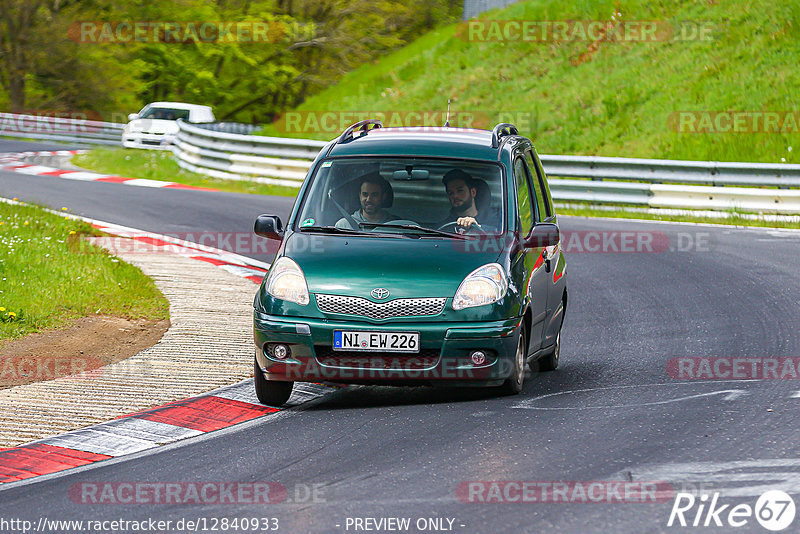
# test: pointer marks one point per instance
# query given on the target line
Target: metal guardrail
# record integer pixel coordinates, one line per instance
(79, 131)
(229, 156)
(713, 173)
(76, 131)
(223, 150)
(473, 8)
(622, 181)
(229, 127)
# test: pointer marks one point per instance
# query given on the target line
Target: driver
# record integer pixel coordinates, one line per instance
(373, 196)
(461, 192)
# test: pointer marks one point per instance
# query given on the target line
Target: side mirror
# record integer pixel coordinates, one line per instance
(133, 117)
(269, 226)
(543, 235)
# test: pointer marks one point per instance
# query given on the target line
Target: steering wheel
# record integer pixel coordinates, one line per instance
(458, 229)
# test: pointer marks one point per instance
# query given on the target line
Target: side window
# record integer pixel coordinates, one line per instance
(545, 210)
(524, 205)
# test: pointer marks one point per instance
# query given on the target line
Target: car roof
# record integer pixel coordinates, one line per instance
(177, 105)
(421, 141)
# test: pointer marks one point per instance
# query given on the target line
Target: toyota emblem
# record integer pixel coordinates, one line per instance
(379, 293)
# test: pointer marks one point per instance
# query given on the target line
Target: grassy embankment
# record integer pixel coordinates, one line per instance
(613, 98)
(49, 277)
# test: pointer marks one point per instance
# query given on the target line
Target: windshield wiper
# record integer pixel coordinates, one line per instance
(429, 231)
(331, 230)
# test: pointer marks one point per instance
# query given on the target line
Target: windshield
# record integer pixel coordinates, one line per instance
(168, 114)
(407, 195)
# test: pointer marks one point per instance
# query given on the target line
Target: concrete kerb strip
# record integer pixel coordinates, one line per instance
(203, 349)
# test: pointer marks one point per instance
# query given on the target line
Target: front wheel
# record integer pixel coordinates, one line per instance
(549, 362)
(271, 393)
(513, 384)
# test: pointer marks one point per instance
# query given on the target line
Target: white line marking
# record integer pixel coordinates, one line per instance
(100, 441)
(83, 176)
(795, 395)
(245, 392)
(730, 394)
(144, 182)
(148, 430)
(241, 271)
(728, 478)
(36, 169)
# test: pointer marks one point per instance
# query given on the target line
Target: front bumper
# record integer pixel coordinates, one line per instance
(147, 141)
(444, 356)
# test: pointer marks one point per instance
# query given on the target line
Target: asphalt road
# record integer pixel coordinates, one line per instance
(611, 412)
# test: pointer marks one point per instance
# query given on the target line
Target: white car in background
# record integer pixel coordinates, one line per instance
(155, 127)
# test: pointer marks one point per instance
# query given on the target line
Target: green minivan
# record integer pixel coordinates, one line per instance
(413, 256)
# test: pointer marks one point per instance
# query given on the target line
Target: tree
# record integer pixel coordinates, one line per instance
(17, 19)
(245, 80)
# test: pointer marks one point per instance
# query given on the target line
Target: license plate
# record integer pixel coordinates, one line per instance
(376, 341)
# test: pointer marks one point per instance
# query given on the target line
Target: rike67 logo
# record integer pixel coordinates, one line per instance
(774, 510)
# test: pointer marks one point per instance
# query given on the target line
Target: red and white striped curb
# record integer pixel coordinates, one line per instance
(243, 266)
(149, 429)
(157, 426)
(15, 163)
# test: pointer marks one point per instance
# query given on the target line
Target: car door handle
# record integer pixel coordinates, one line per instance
(546, 261)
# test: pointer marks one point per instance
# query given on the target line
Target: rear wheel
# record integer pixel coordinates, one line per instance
(271, 393)
(513, 384)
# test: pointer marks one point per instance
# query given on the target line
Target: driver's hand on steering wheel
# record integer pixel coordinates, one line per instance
(466, 222)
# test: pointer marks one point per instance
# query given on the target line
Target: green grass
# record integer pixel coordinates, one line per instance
(619, 101)
(48, 276)
(160, 165)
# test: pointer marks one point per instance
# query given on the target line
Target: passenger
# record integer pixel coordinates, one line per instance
(374, 196)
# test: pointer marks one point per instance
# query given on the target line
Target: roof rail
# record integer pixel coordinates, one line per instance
(502, 130)
(348, 133)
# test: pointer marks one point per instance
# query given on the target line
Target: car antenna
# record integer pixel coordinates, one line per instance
(447, 120)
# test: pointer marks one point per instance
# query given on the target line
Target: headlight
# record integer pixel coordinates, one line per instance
(484, 285)
(287, 282)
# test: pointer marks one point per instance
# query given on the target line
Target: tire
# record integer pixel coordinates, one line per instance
(271, 393)
(513, 384)
(549, 362)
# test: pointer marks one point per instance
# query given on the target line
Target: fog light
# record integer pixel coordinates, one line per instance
(281, 352)
(478, 357)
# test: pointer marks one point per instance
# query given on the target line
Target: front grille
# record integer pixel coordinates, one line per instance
(380, 310)
(424, 359)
